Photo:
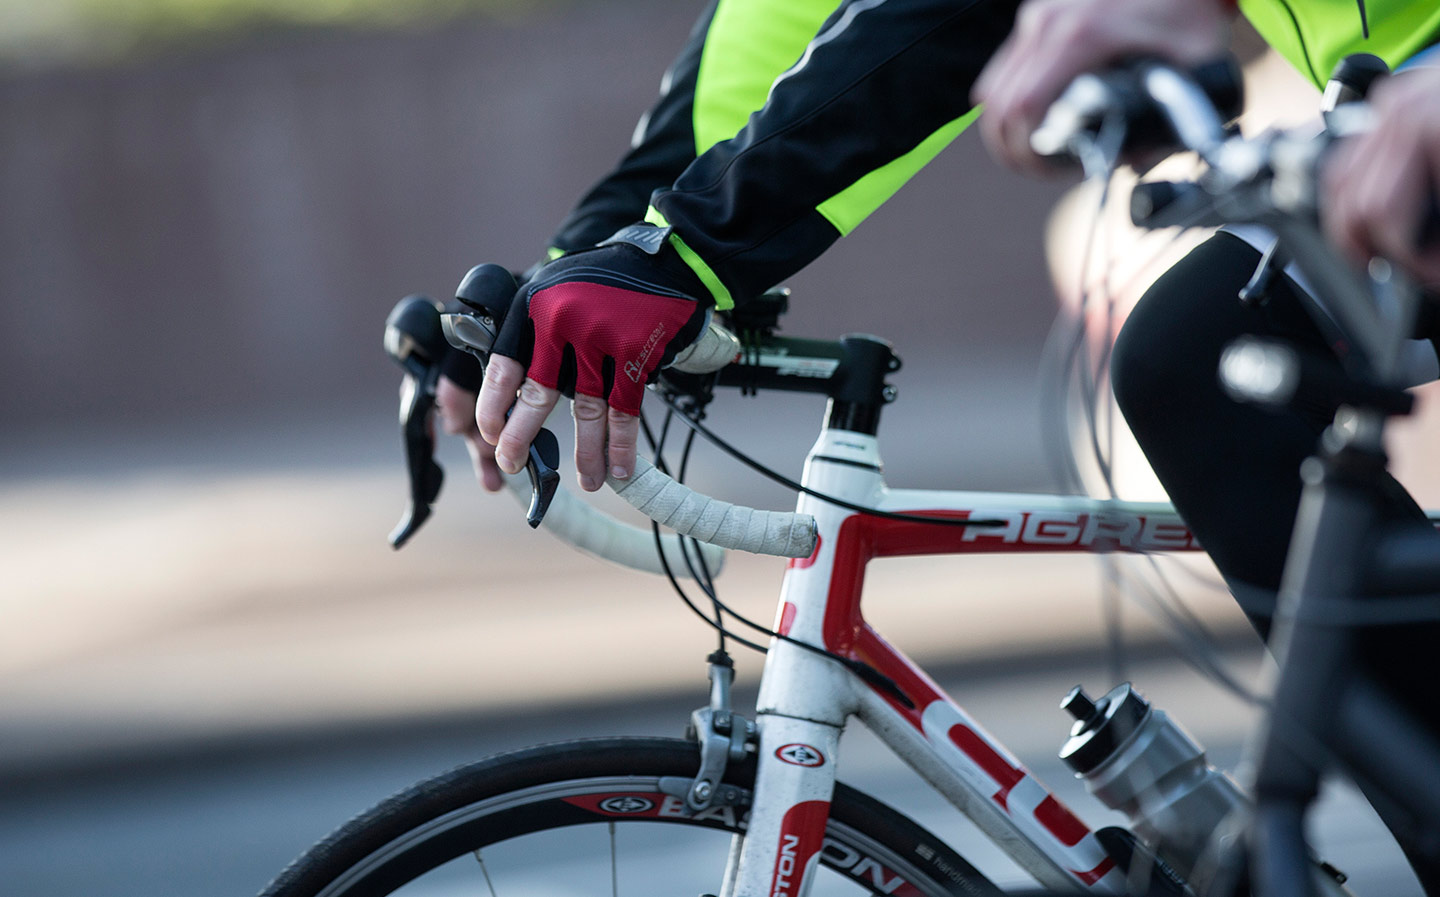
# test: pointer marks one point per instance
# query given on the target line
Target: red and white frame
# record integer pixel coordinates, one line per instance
(805, 699)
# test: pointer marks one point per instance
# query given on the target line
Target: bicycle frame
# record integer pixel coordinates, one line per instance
(805, 699)
(1344, 553)
(1322, 703)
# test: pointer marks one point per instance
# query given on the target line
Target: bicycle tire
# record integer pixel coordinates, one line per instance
(555, 787)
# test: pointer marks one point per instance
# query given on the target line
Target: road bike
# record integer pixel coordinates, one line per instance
(1359, 558)
(824, 665)
(755, 805)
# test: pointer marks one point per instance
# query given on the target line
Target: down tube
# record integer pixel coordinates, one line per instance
(936, 736)
(980, 777)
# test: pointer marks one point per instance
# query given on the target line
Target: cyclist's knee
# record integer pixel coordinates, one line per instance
(1134, 370)
(1166, 355)
(1144, 371)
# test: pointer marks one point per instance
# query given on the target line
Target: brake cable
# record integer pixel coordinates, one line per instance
(865, 671)
(794, 486)
(1163, 597)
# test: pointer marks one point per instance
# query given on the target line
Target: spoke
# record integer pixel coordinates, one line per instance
(614, 875)
(732, 865)
(485, 872)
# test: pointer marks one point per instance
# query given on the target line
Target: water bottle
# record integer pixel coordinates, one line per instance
(1137, 760)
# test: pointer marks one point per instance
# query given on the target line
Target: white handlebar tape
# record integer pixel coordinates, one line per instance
(652, 493)
(598, 534)
(711, 351)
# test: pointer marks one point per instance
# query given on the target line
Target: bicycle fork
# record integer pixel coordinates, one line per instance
(795, 772)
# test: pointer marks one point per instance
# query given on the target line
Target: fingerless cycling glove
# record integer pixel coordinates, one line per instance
(600, 322)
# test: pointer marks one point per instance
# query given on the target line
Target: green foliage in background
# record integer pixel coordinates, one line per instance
(100, 30)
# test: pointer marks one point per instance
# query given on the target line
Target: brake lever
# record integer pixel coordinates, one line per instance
(475, 334)
(543, 467)
(488, 289)
(426, 476)
(413, 340)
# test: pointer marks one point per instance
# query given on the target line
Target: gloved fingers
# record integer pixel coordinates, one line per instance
(591, 414)
(516, 337)
(503, 377)
(482, 457)
(532, 405)
(547, 358)
(629, 388)
(505, 371)
(455, 406)
(589, 374)
(624, 434)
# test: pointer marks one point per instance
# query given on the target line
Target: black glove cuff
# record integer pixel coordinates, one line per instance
(654, 241)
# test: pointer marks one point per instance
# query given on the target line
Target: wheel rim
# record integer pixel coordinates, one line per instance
(526, 841)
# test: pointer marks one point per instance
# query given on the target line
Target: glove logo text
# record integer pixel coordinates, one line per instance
(635, 369)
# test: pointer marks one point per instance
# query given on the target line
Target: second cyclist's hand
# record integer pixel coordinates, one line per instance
(1381, 185)
(1054, 41)
(600, 323)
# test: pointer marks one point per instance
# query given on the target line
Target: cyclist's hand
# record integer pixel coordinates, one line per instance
(455, 407)
(600, 323)
(1382, 185)
(1056, 40)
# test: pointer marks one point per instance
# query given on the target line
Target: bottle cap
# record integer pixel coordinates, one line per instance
(1101, 727)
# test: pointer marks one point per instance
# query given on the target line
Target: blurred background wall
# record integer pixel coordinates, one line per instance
(214, 233)
(207, 207)
(204, 219)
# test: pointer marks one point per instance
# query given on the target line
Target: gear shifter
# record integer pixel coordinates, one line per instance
(415, 335)
(488, 290)
(413, 338)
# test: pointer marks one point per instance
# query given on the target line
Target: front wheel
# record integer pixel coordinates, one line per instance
(592, 817)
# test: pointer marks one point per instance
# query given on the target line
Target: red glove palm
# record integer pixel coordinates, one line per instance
(618, 337)
(596, 324)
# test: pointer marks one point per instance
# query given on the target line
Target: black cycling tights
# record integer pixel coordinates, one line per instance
(1232, 470)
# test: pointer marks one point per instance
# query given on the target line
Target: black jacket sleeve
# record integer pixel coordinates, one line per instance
(879, 78)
